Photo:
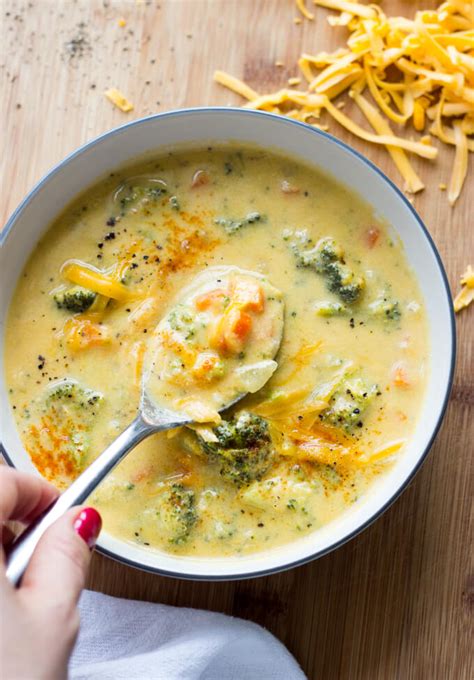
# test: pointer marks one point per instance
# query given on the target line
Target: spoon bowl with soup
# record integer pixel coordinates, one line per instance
(216, 345)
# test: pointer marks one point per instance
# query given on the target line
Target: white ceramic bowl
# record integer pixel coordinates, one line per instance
(214, 125)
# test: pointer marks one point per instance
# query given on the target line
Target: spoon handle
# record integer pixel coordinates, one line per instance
(20, 551)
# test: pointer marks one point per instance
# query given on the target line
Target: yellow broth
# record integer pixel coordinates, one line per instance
(351, 373)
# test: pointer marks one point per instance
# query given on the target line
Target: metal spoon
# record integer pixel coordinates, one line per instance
(151, 418)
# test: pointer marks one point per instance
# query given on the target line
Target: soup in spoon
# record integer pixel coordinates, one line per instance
(217, 343)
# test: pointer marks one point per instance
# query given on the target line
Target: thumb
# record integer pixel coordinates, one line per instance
(58, 569)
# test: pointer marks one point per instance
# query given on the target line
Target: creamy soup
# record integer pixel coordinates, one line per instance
(105, 289)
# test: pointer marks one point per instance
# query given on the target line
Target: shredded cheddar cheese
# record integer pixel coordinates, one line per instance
(466, 294)
(380, 125)
(353, 8)
(304, 10)
(381, 454)
(430, 81)
(82, 333)
(119, 100)
(460, 163)
(235, 84)
(138, 355)
(467, 279)
(88, 277)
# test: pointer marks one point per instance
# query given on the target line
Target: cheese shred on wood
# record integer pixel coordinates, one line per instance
(466, 294)
(418, 72)
(119, 100)
(304, 10)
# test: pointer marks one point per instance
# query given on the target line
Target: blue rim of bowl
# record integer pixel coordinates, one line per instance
(360, 157)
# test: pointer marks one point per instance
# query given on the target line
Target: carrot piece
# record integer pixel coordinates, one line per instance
(400, 377)
(205, 365)
(372, 236)
(231, 331)
(213, 299)
(83, 333)
(241, 324)
(248, 294)
(289, 188)
(200, 178)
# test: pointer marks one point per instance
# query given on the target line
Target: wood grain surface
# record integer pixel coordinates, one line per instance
(396, 602)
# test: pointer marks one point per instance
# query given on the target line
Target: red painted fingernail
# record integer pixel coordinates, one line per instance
(88, 524)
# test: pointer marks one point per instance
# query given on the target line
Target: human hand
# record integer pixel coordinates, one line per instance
(39, 621)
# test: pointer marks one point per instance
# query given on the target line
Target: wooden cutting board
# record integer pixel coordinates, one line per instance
(395, 603)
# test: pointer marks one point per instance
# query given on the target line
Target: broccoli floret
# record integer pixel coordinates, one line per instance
(135, 194)
(327, 253)
(328, 308)
(343, 282)
(327, 259)
(243, 449)
(177, 513)
(231, 226)
(71, 394)
(385, 308)
(348, 403)
(174, 203)
(318, 257)
(181, 319)
(138, 195)
(67, 413)
(76, 299)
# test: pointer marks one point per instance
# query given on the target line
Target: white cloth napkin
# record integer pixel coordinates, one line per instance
(139, 640)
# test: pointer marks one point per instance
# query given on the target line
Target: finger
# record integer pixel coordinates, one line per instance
(23, 496)
(8, 535)
(58, 568)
